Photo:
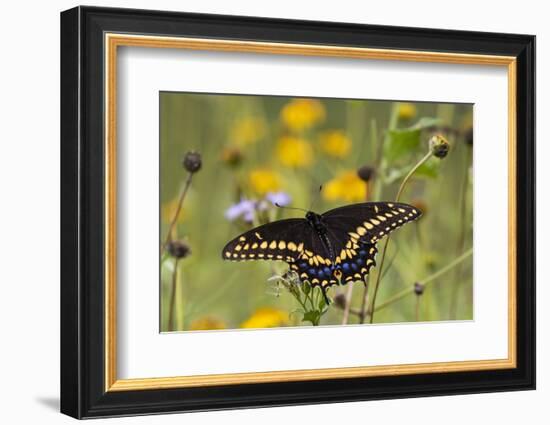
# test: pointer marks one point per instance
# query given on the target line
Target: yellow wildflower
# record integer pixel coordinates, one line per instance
(301, 114)
(207, 323)
(335, 143)
(347, 187)
(266, 317)
(264, 180)
(406, 111)
(294, 152)
(247, 131)
(169, 209)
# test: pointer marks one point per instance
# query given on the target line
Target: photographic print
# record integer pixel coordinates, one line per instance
(288, 211)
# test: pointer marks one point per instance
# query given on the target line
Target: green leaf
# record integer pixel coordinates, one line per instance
(401, 142)
(406, 140)
(305, 287)
(425, 122)
(322, 302)
(312, 316)
(429, 169)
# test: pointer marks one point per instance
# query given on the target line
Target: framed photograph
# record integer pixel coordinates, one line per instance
(261, 212)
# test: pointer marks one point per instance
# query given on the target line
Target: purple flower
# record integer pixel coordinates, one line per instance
(245, 209)
(279, 198)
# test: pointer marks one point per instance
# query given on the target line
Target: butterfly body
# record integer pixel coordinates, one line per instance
(336, 247)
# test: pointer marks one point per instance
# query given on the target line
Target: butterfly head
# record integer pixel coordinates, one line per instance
(315, 220)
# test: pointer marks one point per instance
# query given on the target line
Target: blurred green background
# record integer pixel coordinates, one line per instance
(255, 148)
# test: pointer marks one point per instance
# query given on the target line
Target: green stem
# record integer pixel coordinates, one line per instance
(347, 306)
(171, 312)
(425, 281)
(178, 209)
(409, 175)
(461, 238)
(381, 266)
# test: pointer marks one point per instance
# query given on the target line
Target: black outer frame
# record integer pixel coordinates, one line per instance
(82, 218)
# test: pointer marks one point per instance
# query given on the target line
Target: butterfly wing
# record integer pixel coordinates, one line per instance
(282, 240)
(355, 229)
(292, 240)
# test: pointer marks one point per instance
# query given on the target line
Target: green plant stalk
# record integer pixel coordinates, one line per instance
(380, 268)
(171, 312)
(186, 186)
(425, 281)
(364, 303)
(377, 189)
(347, 306)
(461, 229)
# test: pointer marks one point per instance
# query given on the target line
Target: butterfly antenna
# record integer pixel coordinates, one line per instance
(289, 208)
(315, 198)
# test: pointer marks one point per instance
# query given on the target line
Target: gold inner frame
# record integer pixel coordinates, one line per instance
(113, 41)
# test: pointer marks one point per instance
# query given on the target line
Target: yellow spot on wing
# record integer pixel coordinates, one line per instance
(368, 225)
(282, 245)
(291, 246)
(238, 248)
(273, 245)
(263, 245)
(361, 230)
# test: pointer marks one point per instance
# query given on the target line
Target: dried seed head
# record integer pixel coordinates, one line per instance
(366, 172)
(192, 161)
(439, 146)
(178, 249)
(418, 288)
(340, 301)
(232, 156)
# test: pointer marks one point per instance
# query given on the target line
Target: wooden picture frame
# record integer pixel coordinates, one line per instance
(90, 39)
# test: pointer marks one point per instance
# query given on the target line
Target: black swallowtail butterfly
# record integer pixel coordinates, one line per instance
(336, 247)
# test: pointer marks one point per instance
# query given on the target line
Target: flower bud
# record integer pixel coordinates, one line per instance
(439, 146)
(178, 249)
(418, 288)
(192, 161)
(365, 173)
